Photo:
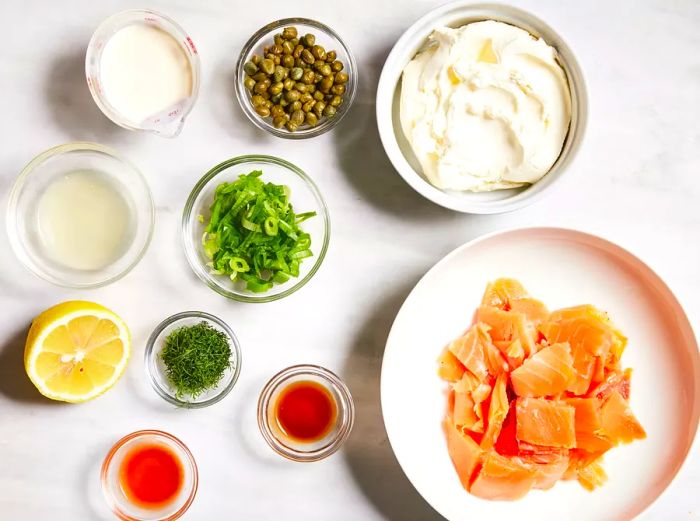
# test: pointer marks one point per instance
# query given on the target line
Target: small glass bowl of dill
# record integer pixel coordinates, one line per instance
(193, 359)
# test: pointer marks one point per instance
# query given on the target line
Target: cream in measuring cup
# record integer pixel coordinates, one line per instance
(143, 72)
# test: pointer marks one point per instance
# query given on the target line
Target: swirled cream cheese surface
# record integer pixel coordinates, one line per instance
(485, 107)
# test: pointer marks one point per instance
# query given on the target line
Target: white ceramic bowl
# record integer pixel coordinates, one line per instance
(399, 150)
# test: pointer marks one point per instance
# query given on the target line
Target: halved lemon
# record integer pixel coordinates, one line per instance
(76, 351)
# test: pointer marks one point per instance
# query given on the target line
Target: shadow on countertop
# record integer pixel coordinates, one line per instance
(368, 453)
(14, 382)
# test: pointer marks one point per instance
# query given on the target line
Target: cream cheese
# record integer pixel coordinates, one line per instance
(485, 107)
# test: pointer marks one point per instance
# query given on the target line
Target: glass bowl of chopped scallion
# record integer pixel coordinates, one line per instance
(255, 228)
(193, 359)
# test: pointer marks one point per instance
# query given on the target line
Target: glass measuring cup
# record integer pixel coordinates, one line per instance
(168, 122)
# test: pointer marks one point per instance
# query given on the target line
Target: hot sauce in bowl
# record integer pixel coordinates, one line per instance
(151, 475)
(305, 413)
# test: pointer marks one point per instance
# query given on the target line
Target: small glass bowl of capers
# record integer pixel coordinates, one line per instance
(295, 78)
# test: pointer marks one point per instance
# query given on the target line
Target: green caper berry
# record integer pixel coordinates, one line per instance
(250, 68)
(280, 73)
(302, 87)
(283, 102)
(341, 77)
(288, 84)
(336, 101)
(319, 107)
(297, 51)
(261, 86)
(337, 66)
(276, 49)
(288, 61)
(287, 47)
(318, 52)
(256, 100)
(289, 32)
(276, 98)
(276, 88)
(262, 110)
(294, 106)
(292, 95)
(307, 56)
(295, 41)
(338, 90)
(256, 59)
(331, 56)
(308, 77)
(326, 70)
(297, 73)
(317, 65)
(329, 111)
(306, 107)
(291, 126)
(298, 62)
(308, 40)
(318, 95)
(249, 83)
(279, 121)
(277, 60)
(268, 66)
(311, 119)
(326, 84)
(260, 76)
(267, 102)
(278, 39)
(318, 77)
(266, 49)
(270, 56)
(276, 111)
(306, 97)
(298, 117)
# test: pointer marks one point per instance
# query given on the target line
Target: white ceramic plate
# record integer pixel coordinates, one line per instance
(562, 268)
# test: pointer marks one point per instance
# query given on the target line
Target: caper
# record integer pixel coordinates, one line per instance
(318, 95)
(325, 70)
(305, 97)
(297, 51)
(307, 56)
(317, 77)
(260, 76)
(289, 32)
(295, 41)
(261, 86)
(297, 73)
(262, 110)
(302, 87)
(288, 61)
(317, 65)
(276, 111)
(276, 49)
(280, 73)
(277, 60)
(329, 111)
(308, 77)
(341, 77)
(256, 100)
(249, 83)
(266, 50)
(256, 59)
(298, 62)
(311, 119)
(294, 106)
(287, 47)
(292, 95)
(268, 66)
(291, 126)
(318, 52)
(278, 39)
(338, 90)
(318, 108)
(308, 105)
(331, 56)
(297, 117)
(276, 98)
(267, 103)
(279, 121)
(308, 40)
(276, 88)
(326, 84)
(270, 56)
(250, 68)
(283, 102)
(337, 66)
(336, 101)
(288, 84)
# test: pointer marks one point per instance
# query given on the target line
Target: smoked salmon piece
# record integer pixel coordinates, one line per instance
(534, 397)
(546, 373)
(545, 422)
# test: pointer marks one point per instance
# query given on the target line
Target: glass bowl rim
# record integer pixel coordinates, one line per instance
(338, 386)
(157, 434)
(329, 123)
(149, 353)
(193, 58)
(19, 184)
(188, 215)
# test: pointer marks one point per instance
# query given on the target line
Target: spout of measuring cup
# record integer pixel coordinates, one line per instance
(169, 130)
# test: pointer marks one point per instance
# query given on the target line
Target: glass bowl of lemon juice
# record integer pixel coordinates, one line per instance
(79, 215)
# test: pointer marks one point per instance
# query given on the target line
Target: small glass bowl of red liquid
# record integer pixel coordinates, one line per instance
(149, 475)
(305, 413)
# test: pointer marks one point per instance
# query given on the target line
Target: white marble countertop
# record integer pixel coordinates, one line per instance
(635, 181)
